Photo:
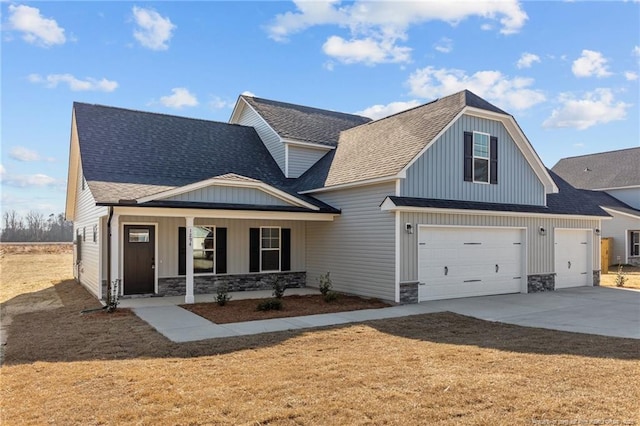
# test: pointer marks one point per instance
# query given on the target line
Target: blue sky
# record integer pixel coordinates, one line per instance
(567, 71)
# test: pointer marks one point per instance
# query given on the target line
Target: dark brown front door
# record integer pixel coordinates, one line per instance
(139, 261)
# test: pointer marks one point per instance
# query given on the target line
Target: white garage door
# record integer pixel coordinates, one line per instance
(571, 258)
(463, 262)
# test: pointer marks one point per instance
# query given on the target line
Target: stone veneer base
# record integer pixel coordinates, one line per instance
(242, 282)
(541, 282)
(409, 292)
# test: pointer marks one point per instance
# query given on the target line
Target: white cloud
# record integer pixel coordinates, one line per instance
(515, 93)
(367, 50)
(3, 171)
(181, 98)
(636, 51)
(154, 31)
(89, 84)
(526, 60)
(35, 180)
(35, 28)
(376, 28)
(379, 111)
(631, 76)
(597, 107)
(589, 64)
(248, 93)
(217, 102)
(445, 45)
(24, 154)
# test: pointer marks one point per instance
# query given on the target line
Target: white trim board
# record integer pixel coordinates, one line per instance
(223, 214)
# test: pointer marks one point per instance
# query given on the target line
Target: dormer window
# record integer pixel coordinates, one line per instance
(480, 158)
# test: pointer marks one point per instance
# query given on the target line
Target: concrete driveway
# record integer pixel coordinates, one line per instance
(592, 310)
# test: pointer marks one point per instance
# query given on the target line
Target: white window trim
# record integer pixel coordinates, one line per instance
(215, 246)
(474, 156)
(271, 249)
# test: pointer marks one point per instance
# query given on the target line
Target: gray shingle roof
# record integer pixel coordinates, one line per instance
(383, 147)
(129, 154)
(568, 201)
(304, 123)
(612, 169)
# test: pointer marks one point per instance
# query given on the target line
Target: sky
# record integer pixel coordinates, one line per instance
(567, 71)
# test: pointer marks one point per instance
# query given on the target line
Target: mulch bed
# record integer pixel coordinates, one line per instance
(292, 306)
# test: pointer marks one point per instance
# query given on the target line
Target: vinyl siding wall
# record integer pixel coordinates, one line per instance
(300, 159)
(87, 214)
(630, 196)
(358, 247)
(540, 249)
(438, 173)
(271, 140)
(230, 194)
(618, 228)
(237, 241)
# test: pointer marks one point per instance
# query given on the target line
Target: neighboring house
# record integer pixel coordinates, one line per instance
(614, 179)
(445, 200)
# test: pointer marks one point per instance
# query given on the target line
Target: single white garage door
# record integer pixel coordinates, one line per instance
(571, 257)
(463, 262)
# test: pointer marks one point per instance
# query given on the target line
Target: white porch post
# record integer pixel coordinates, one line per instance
(189, 298)
(115, 249)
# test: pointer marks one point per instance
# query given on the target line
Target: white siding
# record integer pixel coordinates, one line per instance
(358, 247)
(230, 194)
(618, 228)
(439, 172)
(87, 214)
(540, 248)
(269, 137)
(300, 159)
(237, 241)
(630, 196)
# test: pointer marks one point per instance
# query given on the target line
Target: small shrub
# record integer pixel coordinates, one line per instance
(270, 305)
(222, 295)
(330, 296)
(278, 288)
(621, 279)
(325, 284)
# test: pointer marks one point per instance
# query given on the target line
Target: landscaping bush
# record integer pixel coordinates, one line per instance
(278, 288)
(270, 305)
(324, 283)
(621, 279)
(330, 296)
(222, 296)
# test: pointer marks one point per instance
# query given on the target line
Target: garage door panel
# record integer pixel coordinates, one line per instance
(571, 258)
(478, 261)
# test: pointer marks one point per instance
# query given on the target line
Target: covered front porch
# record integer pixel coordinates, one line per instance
(188, 253)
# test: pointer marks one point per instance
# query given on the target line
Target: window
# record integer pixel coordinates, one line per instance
(269, 249)
(138, 235)
(480, 158)
(95, 233)
(204, 247)
(635, 243)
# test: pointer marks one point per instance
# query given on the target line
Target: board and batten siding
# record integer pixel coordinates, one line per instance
(300, 159)
(618, 228)
(269, 137)
(540, 248)
(237, 241)
(438, 173)
(230, 194)
(87, 215)
(358, 247)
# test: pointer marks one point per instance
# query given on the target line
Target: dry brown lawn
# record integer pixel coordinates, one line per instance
(62, 367)
(292, 306)
(632, 273)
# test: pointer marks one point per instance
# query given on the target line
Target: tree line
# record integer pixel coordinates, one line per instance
(34, 227)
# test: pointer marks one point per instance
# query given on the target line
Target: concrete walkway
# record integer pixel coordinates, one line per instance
(592, 310)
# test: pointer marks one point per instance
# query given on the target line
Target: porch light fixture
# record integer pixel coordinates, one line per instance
(542, 231)
(409, 228)
(597, 231)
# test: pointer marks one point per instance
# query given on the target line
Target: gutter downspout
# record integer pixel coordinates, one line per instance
(109, 255)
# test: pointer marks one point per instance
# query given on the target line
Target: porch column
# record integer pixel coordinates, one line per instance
(189, 298)
(115, 250)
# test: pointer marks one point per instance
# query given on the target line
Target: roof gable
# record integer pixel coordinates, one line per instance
(605, 170)
(302, 123)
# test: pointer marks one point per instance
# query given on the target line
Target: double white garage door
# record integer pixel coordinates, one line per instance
(463, 262)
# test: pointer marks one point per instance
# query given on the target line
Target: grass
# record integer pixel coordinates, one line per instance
(65, 368)
(632, 273)
(295, 305)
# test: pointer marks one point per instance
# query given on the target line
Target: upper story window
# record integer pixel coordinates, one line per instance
(480, 157)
